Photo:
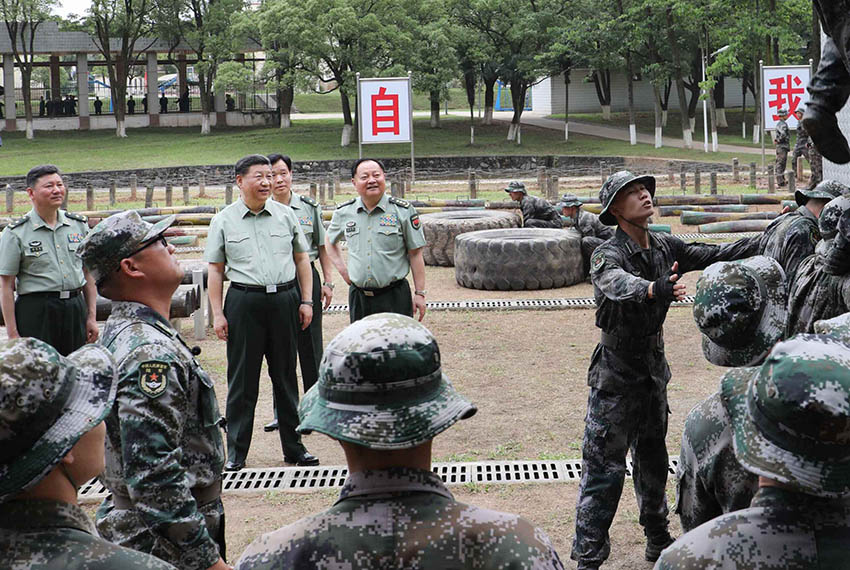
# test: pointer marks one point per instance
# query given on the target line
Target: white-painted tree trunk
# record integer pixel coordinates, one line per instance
(488, 116)
(664, 118)
(606, 112)
(205, 123)
(120, 129)
(566, 132)
(512, 131)
(692, 121)
(756, 131)
(688, 138)
(285, 120)
(658, 140)
(346, 135)
(435, 119)
(472, 134)
(744, 129)
(30, 130)
(713, 141)
(632, 134)
(721, 117)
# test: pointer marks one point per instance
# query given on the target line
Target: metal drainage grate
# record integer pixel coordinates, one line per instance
(512, 304)
(307, 479)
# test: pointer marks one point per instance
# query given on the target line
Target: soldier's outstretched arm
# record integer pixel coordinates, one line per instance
(613, 281)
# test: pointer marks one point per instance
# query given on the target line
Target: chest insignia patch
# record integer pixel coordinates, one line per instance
(75, 238)
(414, 221)
(597, 261)
(350, 228)
(153, 378)
(388, 220)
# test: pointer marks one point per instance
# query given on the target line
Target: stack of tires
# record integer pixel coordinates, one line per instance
(518, 259)
(441, 229)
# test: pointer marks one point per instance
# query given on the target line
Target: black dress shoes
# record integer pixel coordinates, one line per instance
(304, 460)
(234, 466)
(271, 426)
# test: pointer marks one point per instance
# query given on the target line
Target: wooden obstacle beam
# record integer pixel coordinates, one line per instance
(182, 241)
(152, 211)
(666, 211)
(696, 218)
(734, 227)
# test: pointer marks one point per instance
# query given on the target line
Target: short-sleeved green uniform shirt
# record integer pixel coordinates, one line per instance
(256, 248)
(44, 258)
(309, 214)
(378, 241)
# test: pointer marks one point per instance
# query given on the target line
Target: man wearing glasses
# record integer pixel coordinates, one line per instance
(56, 298)
(258, 245)
(164, 450)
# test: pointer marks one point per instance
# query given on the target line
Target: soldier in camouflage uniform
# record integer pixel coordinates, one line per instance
(817, 293)
(791, 428)
(740, 310)
(587, 224)
(782, 141)
(805, 147)
(635, 276)
(383, 395)
(536, 212)
(164, 451)
(51, 441)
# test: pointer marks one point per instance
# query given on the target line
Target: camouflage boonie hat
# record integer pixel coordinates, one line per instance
(829, 216)
(381, 386)
(569, 200)
(516, 186)
(116, 238)
(795, 427)
(839, 327)
(47, 403)
(740, 309)
(614, 184)
(826, 189)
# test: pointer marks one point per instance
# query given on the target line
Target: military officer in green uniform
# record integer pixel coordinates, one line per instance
(258, 245)
(52, 410)
(385, 241)
(164, 450)
(309, 213)
(56, 298)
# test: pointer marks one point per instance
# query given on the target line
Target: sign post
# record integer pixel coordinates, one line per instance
(782, 87)
(385, 106)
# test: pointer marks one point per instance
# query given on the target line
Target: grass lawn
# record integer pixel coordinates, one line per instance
(645, 123)
(76, 151)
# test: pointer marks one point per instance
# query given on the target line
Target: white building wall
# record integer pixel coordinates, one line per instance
(548, 95)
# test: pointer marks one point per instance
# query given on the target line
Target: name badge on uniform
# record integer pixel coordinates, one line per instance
(388, 220)
(35, 248)
(350, 228)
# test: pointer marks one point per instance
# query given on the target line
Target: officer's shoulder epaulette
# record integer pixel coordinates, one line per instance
(346, 203)
(309, 200)
(19, 221)
(78, 217)
(399, 202)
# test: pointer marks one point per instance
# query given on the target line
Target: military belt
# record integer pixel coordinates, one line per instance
(60, 294)
(374, 292)
(614, 342)
(202, 495)
(265, 288)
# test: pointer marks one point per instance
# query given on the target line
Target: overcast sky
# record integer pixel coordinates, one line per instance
(73, 7)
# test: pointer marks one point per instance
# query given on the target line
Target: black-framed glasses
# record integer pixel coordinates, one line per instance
(159, 239)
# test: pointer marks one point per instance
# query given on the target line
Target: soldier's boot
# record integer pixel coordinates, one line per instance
(829, 89)
(656, 542)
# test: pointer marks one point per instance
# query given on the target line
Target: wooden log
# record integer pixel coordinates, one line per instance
(697, 218)
(182, 219)
(10, 199)
(664, 228)
(113, 189)
(89, 197)
(665, 211)
(734, 227)
(765, 198)
(676, 200)
(200, 231)
(182, 241)
(154, 211)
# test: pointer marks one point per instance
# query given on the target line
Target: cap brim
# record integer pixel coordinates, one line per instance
(771, 327)
(605, 216)
(92, 393)
(384, 426)
(159, 227)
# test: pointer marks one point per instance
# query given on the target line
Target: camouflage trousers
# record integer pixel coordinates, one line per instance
(614, 424)
(779, 165)
(816, 165)
(125, 527)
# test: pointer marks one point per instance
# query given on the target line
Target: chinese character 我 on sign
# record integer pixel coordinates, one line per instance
(385, 118)
(783, 93)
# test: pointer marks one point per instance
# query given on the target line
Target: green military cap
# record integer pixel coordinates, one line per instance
(516, 186)
(568, 200)
(795, 426)
(47, 403)
(839, 327)
(381, 385)
(740, 309)
(116, 238)
(614, 184)
(827, 189)
(829, 216)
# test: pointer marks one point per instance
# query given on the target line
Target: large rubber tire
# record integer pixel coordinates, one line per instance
(441, 229)
(518, 259)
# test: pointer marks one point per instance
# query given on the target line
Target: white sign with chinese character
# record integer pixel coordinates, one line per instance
(384, 111)
(784, 87)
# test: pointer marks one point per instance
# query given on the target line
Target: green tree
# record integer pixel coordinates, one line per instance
(23, 18)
